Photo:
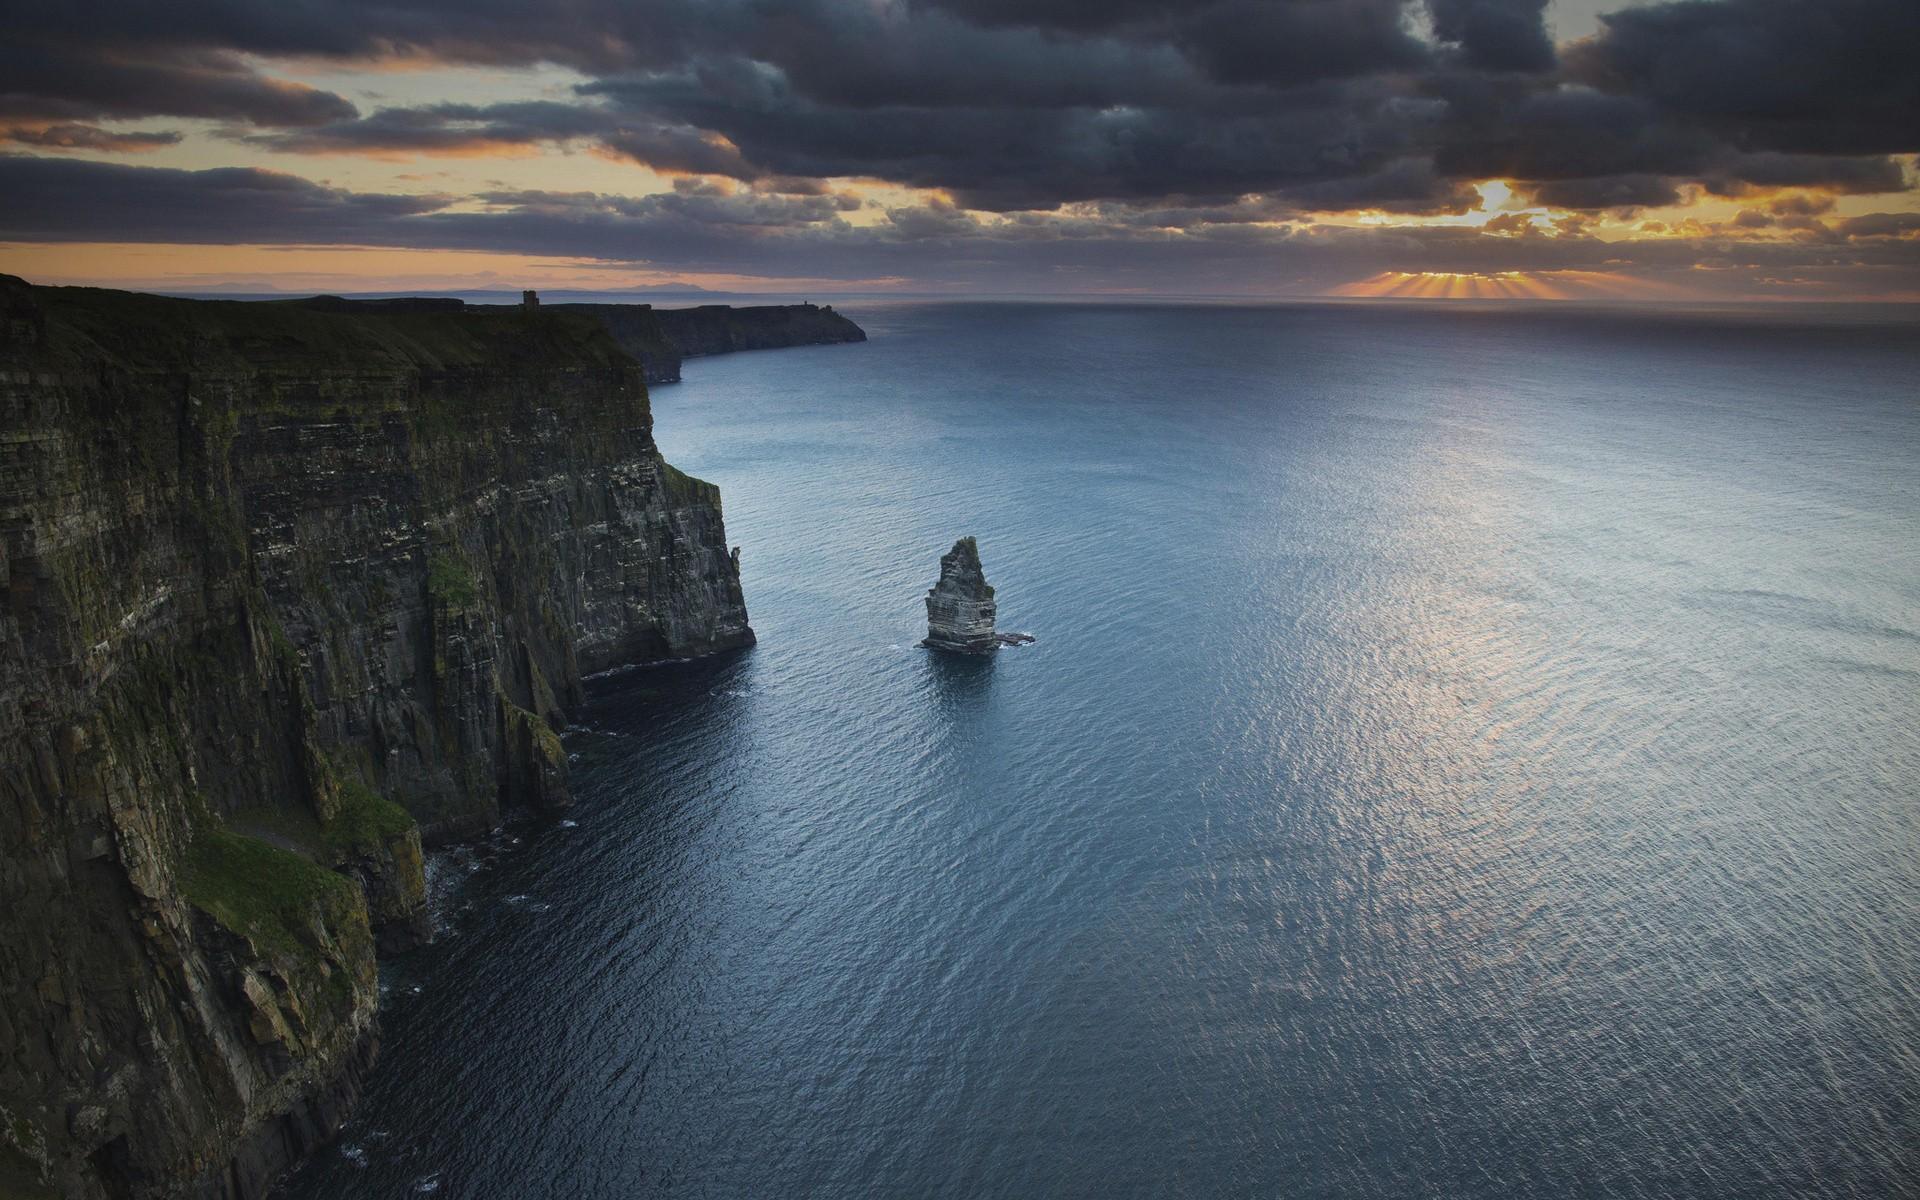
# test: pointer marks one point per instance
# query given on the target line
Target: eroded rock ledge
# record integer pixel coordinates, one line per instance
(285, 593)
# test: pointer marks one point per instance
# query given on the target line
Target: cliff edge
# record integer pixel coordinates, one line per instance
(661, 337)
(290, 590)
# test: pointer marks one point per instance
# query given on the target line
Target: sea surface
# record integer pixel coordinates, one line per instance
(1468, 752)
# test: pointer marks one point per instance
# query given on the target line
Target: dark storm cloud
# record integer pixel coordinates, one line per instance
(1606, 191)
(1161, 115)
(1800, 206)
(1289, 43)
(671, 147)
(1833, 77)
(700, 227)
(1496, 35)
(846, 54)
(1014, 157)
(1875, 225)
(1008, 115)
(1571, 133)
(1322, 36)
(1846, 175)
(62, 200)
(439, 128)
(590, 34)
(1408, 186)
(81, 82)
(59, 200)
(1075, 16)
(470, 128)
(690, 200)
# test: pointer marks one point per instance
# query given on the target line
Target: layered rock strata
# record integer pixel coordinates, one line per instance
(285, 593)
(960, 607)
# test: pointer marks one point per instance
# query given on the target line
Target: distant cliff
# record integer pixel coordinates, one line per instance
(286, 589)
(661, 337)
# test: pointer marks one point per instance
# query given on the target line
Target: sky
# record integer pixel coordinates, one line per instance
(1687, 150)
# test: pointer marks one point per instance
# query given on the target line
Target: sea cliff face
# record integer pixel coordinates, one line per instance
(661, 337)
(288, 592)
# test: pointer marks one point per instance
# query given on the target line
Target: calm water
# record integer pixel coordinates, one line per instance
(1466, 754)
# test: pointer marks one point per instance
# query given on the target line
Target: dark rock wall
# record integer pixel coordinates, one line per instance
(282, 593)
(661, 337)
(960, 605)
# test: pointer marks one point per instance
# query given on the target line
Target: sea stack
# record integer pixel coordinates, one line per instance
(960, 607)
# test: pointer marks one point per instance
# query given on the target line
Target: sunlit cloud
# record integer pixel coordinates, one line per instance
(1121, 149)
(308, 270)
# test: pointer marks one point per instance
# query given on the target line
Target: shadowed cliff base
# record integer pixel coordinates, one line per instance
(291, 589)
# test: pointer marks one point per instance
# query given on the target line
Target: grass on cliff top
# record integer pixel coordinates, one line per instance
(259, 890)
(147, 332)
(366, 821)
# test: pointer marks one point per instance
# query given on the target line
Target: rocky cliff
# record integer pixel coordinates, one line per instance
(960, 605)
(288, 591)
(661, 337)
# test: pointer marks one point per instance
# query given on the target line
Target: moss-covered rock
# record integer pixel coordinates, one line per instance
(450, 583)
(366, 820)
(282, 902)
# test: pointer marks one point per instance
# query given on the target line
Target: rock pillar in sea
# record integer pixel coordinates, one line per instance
(960, 607)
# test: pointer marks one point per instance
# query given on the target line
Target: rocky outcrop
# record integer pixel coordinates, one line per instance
(960, 607)
(661, 337)
(286, 591)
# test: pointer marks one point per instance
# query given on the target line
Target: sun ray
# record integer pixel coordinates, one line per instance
(1516, 286)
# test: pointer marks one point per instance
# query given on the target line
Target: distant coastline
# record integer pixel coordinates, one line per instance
(662, 337)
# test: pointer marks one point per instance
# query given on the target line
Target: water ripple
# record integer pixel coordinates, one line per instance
(1451, 766)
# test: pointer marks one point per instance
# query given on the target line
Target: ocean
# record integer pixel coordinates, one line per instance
(1467, 752)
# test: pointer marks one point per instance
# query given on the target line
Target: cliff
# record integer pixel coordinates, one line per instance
(289, 590)
(661, 337)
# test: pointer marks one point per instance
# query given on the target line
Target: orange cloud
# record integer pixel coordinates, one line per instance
(308, 270)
